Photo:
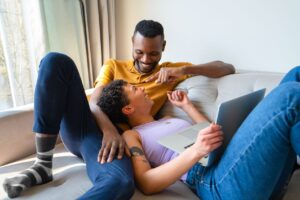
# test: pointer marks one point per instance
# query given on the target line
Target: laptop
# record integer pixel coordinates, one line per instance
(230, 116)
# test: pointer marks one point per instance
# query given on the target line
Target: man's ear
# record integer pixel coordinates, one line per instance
(164, 45)
(127, 110)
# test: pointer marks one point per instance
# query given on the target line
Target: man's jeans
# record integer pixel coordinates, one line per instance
(60, 105)
(260, 158)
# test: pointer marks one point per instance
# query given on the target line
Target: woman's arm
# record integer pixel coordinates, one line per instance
(153, 180)
(180, 99)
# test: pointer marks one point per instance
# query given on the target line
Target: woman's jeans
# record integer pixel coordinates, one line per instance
(60, 105)
(259, 160)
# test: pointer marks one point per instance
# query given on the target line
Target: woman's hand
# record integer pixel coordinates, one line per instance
(209, 139)
(179, 98)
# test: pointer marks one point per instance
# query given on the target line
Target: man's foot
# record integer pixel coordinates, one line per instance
(35, 175)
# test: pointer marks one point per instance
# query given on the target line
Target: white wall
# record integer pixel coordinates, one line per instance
(259, 35)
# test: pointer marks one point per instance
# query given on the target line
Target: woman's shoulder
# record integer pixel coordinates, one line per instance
(129, 133)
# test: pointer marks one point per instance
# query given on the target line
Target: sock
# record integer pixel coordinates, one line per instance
(39, 173)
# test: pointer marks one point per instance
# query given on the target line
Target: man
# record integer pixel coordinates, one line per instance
(60, 105)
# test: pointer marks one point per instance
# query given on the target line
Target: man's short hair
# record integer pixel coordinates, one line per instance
(149, 28)
(112, 100)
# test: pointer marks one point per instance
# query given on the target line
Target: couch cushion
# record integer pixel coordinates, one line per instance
(71, 181)
(208, 93)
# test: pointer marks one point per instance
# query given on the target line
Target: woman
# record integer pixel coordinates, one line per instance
(256, 164)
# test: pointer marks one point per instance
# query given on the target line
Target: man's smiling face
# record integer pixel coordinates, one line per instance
(147, 52)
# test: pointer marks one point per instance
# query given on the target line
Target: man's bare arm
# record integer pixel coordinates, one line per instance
(112, 141)
(213, 69)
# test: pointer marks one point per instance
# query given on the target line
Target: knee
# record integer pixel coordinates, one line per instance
(289, 87)
(125, 187)
(292, 75)
(295, 70)
(54, 61)
(54, 58)
(289, 91)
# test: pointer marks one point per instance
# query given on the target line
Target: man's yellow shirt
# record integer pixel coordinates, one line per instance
(125, 70)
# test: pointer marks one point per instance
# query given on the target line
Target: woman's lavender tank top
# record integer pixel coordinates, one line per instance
(151, 132)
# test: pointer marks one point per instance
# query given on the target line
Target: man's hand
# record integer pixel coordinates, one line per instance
(112, 143)
(166, 75)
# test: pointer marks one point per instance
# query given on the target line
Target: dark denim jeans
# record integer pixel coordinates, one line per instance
(260, 158)
(60, 105)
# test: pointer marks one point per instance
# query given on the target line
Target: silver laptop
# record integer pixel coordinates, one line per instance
(230, 116)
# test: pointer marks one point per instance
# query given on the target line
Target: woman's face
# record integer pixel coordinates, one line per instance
(137, 97)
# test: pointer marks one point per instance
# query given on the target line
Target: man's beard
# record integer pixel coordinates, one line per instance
(143, 69)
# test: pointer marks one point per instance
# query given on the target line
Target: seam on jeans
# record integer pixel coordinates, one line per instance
(243, 153)
(122, 171)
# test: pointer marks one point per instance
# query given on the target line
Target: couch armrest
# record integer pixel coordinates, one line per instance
(16, 138)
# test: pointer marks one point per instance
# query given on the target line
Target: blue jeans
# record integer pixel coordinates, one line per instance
(260, 158)
(60, 105)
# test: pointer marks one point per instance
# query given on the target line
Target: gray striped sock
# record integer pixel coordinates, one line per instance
(40, 172)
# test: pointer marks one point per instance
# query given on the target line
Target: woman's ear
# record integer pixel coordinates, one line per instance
(127, 110)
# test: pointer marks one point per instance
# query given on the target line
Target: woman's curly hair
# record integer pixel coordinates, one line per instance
(112, 100)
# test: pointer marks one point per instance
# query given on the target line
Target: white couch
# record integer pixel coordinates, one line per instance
(70, 179)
